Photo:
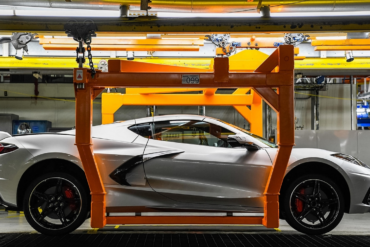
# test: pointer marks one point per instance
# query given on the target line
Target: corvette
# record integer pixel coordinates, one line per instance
(176, 163)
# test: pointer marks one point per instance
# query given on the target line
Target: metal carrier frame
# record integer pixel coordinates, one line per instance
(262, 80)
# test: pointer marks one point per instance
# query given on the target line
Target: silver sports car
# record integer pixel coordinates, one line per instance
(176, 163)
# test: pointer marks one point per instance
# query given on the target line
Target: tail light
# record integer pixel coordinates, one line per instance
(7, 148)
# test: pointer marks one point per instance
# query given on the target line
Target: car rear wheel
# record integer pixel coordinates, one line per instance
(56, 204)
(313, 204)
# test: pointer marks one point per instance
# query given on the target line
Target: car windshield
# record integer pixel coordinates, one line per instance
(263, 140)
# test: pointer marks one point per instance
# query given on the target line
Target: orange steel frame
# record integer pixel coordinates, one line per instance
(262, 80)
(111, 102)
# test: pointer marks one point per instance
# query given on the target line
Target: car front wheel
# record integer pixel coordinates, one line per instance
(55, 204)
(313, 204)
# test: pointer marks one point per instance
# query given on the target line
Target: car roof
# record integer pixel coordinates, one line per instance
(170, 117)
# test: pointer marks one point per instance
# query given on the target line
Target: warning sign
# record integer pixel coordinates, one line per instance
(79, 75)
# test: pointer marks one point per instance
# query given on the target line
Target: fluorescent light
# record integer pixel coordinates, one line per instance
(67, 12)
(192, 15)
(183, 38)
(6, 12)
(58, 12)
(321, 14)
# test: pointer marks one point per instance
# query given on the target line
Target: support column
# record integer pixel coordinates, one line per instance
(84, 97)
(285, 138)
(202, 110)
(313, 114)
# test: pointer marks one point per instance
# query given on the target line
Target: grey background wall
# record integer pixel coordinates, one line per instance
(334, 112)
(60, 107)
(334, 108)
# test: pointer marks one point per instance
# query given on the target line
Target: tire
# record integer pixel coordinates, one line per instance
(313, 204)
(56, 204)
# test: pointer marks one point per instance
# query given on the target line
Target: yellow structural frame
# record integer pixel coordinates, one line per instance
(111, 102)
(247, 60)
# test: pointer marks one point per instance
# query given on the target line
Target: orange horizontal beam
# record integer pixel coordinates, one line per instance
(342, 48)
(123, 47)
(134, 66)
(206, 80)
(184, 220)
(342, 42)
(67, 41)
(185, 99)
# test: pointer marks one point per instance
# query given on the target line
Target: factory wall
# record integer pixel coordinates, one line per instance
(56, 104)
(334, 107)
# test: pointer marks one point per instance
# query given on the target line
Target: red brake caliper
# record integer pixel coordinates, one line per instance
(299, 203)
(69, 194)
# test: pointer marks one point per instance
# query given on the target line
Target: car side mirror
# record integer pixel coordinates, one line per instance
(242, 141)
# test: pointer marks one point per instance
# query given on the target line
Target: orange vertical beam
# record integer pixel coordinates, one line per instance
(285, 140)
(84, 98)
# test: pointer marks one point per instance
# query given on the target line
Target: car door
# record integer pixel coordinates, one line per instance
(206, 170)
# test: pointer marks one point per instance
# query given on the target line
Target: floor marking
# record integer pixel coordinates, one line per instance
(16, 216)
(93, 231)
(116, 227)
(277, 229)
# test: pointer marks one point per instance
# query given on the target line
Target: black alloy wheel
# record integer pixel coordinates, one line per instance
(56, 204)
(313, 204)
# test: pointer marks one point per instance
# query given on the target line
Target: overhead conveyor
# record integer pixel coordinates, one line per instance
(263, 81)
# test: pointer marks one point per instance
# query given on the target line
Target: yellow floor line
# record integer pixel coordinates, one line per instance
(16, 216)
(93, 231)
(116, 227)
(277, 229)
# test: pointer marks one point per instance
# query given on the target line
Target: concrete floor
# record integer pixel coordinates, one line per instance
(12, 222)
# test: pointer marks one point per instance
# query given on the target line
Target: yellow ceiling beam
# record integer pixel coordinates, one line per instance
(332, 63)
(123, 47)
(70, 62)
(67, 41)
(201, 63)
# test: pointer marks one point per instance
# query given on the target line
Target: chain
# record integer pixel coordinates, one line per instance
(91, 64)
(82, 33)
(80, 54)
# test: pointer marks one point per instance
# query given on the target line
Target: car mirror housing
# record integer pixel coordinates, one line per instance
(242, 141)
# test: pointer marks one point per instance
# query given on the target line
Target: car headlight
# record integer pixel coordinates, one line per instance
(351, 159)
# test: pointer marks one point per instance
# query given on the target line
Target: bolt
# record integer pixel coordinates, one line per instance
(56, 209)
(52, 199)
(62, 204)
(60, 198)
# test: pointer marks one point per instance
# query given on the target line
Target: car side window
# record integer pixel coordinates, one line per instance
(192, 132)
(144, 130)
